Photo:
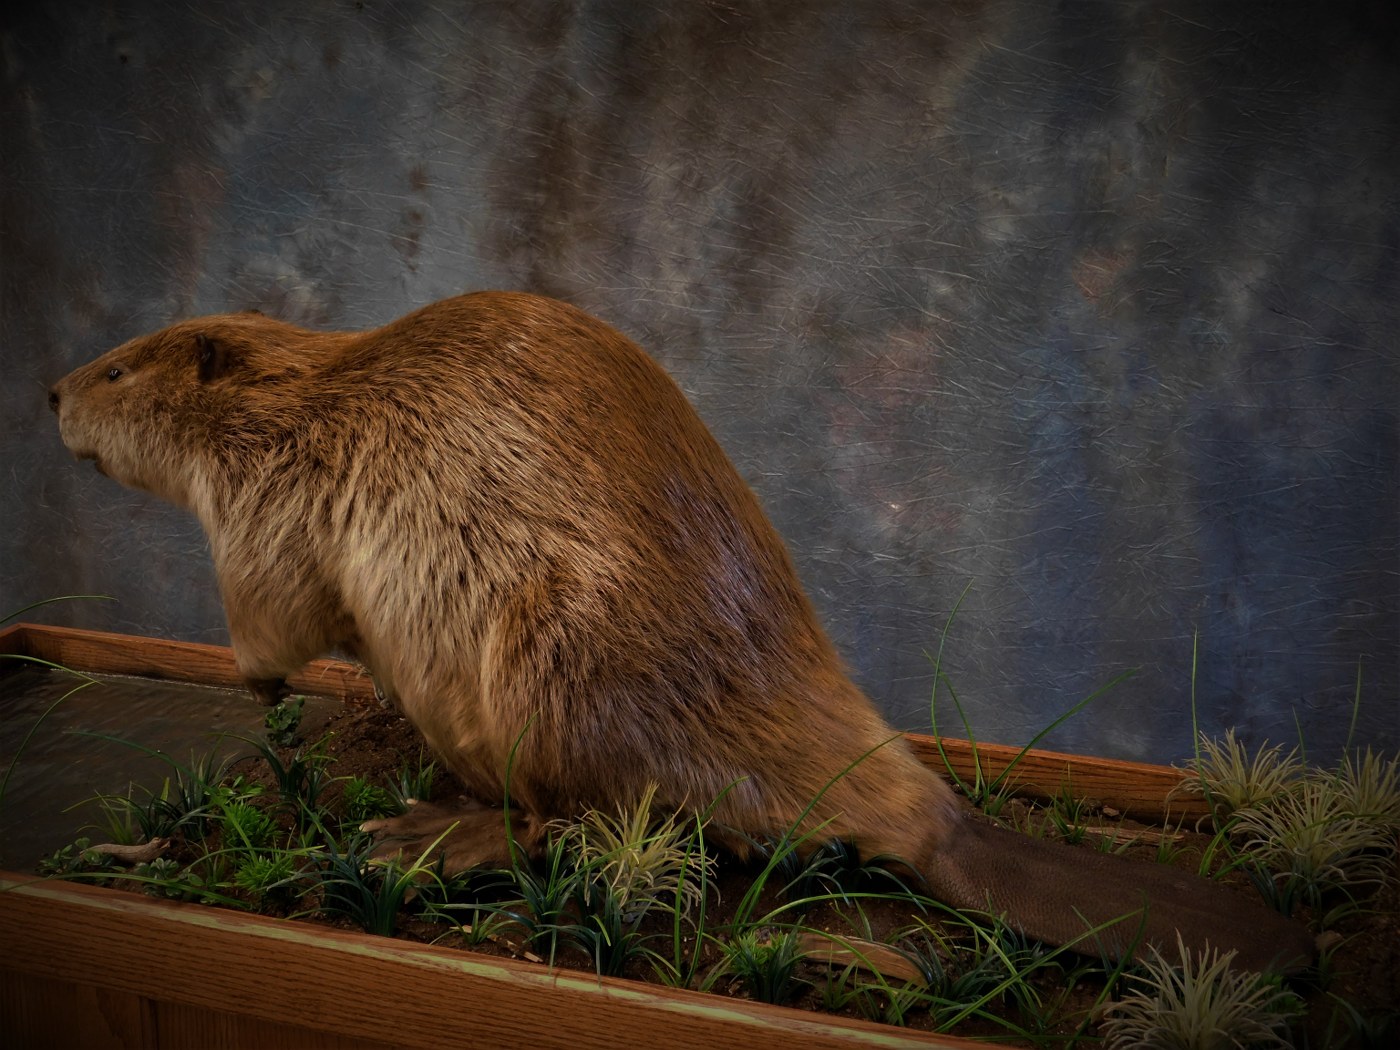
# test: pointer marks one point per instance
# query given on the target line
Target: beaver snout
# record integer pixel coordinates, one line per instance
(79, 452)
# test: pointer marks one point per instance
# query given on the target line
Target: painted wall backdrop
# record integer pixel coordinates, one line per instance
(1090, 309)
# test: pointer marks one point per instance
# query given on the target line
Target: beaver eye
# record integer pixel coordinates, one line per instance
(113, 375)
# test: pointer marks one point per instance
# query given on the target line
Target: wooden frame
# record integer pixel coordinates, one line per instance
(98, 967)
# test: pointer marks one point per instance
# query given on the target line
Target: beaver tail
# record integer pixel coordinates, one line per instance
(1103, 904)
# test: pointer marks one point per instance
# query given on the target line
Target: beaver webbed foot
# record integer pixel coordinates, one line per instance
(464, 835)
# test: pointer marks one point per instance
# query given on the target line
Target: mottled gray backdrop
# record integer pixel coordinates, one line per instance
(1089, 307)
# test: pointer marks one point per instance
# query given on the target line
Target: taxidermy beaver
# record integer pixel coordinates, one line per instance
(512, 515)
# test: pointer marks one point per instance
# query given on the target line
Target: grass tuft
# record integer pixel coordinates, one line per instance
(1232, 779)
(641, 858)
(765, 962)
(1198, 1002)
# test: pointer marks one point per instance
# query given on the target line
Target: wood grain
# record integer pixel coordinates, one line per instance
(1145, 792)
(45, 1013)
(288, 978)
(105, 653)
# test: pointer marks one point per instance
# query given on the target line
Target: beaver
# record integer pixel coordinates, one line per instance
(515, 518)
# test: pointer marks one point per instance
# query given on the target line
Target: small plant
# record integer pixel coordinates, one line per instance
(282, 723)
(1310, 841)
(874, 1000)
(1197, 1002)
(991, 971)
(466, 902)
(637, 857)
(1232, 780)
(1169, 845)
(606, 932)
(367, 892)
(804, 877)
(300, 780)
(269, 878)
(681, 967)
(545, 893)
(1370, 789)
(765, 963)
(160, 815)
(887, 1003)
(119, 822)
(833, 871)
(957, 970)
(623, 867)
(482, 924)
(844, 989)
(990, 794)
(242, 825)
(366, 801)
(445, 898)
(183, 803)
(1027, 967)
(72, 859)
(164, 877)
(414, 783)
(1068, 814)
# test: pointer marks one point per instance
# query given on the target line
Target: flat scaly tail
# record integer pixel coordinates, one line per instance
(1057, 893)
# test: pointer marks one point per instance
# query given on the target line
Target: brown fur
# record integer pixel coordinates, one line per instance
(514, 517)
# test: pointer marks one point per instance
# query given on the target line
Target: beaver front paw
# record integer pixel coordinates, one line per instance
(268, 691)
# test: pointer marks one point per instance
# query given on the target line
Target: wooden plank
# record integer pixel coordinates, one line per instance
(177, 1025)
(1144, 792)
(43, 1013)
(1135, 789)
(376, 989)
(105, 653)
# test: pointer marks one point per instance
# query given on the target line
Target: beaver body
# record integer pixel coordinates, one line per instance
(517, 521)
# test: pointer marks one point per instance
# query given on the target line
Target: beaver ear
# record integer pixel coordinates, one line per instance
(212, 356)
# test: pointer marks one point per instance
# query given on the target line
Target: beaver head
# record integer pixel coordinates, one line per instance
(150, 412)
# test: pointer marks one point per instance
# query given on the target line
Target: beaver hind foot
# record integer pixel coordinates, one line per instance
(460, 836)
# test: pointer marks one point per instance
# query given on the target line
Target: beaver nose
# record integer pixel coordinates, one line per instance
(53, 398)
